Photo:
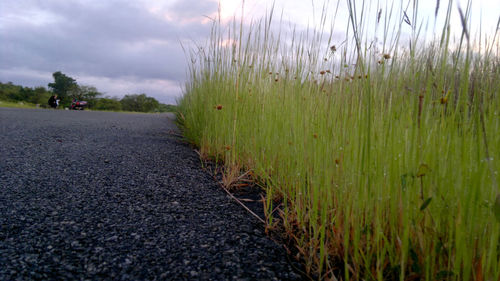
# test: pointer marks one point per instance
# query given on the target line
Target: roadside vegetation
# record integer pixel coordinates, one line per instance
(16, 104)
(67, 89)
(379, 161)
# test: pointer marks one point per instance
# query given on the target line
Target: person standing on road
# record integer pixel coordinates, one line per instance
(53, 101)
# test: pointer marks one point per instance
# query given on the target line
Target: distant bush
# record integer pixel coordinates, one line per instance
(16, 93)
(139, 103)
(108, 104)
(167, 108)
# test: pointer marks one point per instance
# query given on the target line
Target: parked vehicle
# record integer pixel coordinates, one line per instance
(78, 104)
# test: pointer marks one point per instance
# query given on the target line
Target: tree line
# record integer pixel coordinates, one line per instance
(66, 88)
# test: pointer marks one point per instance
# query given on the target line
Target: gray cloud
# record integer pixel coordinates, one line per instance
(113, 40)
(194, 8)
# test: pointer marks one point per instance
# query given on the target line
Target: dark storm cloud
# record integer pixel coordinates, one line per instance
(110, 39)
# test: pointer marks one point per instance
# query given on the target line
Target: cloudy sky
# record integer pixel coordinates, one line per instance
(132, 46)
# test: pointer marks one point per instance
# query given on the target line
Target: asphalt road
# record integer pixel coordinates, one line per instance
(101, 195)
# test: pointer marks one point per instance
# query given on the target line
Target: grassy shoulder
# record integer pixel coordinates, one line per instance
(17, 104)
(380, 165)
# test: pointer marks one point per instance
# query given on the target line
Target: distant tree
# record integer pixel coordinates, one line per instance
(16, 93)
(62, 86)
(40, 95)
(108, 104)
(139, 103)
(86, 93)
(19, 93)
(10, 92)
(129, 103)
(3, 90)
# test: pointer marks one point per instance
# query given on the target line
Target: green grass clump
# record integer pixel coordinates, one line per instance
(383, 165)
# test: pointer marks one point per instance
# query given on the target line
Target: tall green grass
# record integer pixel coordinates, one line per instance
(378, 163)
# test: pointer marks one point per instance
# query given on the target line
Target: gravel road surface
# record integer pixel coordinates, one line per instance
(101, 195)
